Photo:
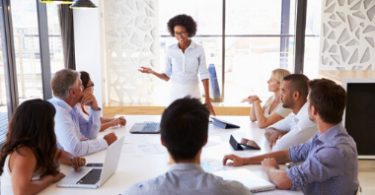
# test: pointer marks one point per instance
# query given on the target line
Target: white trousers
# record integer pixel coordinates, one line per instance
(178, 91)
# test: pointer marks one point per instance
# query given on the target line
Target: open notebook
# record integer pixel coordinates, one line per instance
(253, 182)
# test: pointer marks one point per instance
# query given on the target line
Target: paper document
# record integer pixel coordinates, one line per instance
(212, 141)
(211, 165)
(143, 149)
(136, 139)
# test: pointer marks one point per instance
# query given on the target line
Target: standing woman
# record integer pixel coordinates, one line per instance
(29, 157)
(184, 61)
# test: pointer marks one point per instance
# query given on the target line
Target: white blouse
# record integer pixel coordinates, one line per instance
(183, 68)
(280, 110)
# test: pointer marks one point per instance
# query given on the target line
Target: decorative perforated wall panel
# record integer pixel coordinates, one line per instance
(348, 35)
(131, 40)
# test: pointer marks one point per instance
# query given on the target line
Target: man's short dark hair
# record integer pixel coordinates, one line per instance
(185, 21)
(184, 128)
(298, 82)
(329, 100)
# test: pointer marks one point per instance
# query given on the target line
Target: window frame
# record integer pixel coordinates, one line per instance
(299, 37)
(9, 54)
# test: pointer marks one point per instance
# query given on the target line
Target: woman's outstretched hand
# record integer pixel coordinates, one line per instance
(145, 70)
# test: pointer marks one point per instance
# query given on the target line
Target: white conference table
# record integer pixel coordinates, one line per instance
(134, 168)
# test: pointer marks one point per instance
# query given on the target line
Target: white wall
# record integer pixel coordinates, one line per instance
(111, 43)
(88, 54)
(348, 35)
(131, 33)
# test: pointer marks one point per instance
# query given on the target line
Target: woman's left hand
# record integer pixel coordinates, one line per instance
(210, 107)
(119, 121)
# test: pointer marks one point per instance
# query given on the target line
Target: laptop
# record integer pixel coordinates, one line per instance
(145, 128)
(253, 182)
(93, 175)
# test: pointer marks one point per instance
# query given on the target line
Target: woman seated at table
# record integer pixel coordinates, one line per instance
(272, 111)
(29, 158)
(89, 88)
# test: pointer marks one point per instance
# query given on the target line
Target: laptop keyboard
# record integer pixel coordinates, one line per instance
(92, 177)
(150, 127)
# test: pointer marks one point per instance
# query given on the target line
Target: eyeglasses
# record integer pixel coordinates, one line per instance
(92, 85)
(181, 33)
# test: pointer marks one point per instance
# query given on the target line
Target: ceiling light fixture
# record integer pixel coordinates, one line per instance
(57, 1)
(83, 4)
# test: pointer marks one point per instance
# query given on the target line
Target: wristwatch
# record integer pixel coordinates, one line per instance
(71, 160)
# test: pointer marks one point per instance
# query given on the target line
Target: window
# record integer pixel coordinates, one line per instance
(3, 90)
(54, 35)
(258, 39)
(312, 39)
(20, 54)
(27, 52)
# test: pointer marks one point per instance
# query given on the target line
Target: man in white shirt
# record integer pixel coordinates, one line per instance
(70, 124)
(296, 128)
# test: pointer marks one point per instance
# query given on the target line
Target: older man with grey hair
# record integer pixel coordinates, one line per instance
(73, 131)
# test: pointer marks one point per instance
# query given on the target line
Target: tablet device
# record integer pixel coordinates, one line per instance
(248, 144)
(223, 124)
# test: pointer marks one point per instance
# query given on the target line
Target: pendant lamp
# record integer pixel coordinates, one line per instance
(83, 4)
(57, 1)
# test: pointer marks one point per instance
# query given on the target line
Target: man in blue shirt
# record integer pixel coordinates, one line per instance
(330, 164)
(72, 129)
(184, 129)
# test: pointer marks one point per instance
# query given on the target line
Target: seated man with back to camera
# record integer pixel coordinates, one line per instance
(70, 122)
(330, 157)
(296, 128)
(184, 131)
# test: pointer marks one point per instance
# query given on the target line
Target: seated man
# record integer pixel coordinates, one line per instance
(70, 123)
(296, 128)
(184, 129)
(330, 157)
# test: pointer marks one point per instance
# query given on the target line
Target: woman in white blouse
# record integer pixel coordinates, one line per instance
(184, 61)
(272, 111)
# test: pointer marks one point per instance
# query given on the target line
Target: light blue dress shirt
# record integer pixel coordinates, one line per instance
(70, 124)
(187, 179)
(183, 68)
(331, 164)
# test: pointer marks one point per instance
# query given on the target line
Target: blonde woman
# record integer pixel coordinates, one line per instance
(272, 111)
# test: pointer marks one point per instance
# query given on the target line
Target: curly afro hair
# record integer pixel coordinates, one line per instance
(182, 20)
